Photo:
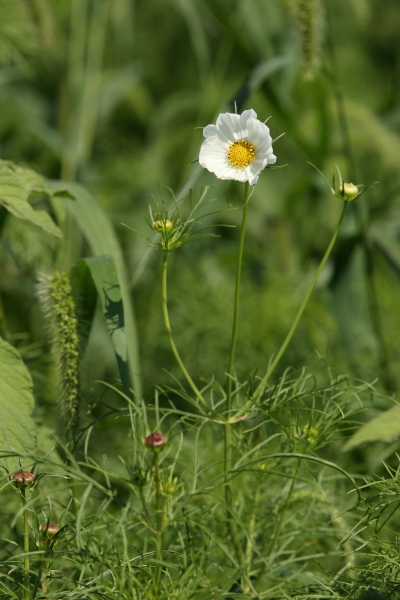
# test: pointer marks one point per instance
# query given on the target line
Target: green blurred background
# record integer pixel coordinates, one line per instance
(114, 93)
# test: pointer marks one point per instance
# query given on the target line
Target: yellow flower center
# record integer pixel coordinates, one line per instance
(241, 154)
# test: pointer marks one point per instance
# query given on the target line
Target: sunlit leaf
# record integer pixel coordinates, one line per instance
(16, 185)
(105, 278)
(17, 430)
(383, 428)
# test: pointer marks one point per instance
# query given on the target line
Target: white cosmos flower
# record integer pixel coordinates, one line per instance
(237, 147)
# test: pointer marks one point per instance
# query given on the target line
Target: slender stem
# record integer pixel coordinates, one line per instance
(280, 523)
(251, 530)
(237, 299)
(169, 333)
(160, 524)
(289, 336)
(228, 492)
(46, 573)
(26, 548)
(228, 425)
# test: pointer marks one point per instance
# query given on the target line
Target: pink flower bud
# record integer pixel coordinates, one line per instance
(154, 441)
(49, 530)
(23, 479)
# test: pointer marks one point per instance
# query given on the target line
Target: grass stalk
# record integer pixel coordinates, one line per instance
(170, 338)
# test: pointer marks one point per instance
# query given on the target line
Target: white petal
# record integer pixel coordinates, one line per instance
(229, 126)
(245, 118)
(258, 134)
(210, 130)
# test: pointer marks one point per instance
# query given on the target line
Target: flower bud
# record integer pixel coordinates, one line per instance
(348, 191)
(49, 530)
(163, 225)
(154, 441)
(170, 487)
(23, 480)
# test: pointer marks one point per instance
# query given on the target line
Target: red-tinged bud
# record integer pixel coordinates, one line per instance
(49, 530)
(23, 480)
(155, 441)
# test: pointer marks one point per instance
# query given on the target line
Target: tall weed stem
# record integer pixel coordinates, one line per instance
(169, 334)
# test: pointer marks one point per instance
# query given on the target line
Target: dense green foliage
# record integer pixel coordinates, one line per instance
(102, 103)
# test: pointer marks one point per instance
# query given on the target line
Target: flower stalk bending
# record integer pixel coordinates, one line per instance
(261, 386)
(169, 334)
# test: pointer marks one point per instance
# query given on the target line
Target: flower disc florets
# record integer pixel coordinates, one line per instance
(155, 441)
(23, 480)
(237, 147)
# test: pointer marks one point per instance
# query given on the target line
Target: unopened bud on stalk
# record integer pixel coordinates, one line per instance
(163, 225)
(154, 441)
(49, 530)
(23, 480)
(348, 191)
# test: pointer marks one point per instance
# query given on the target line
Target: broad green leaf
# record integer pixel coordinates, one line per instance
(85, 292)
(99, 232)
(105, 278)
(16, 185)
(17, 430)
(383, 428)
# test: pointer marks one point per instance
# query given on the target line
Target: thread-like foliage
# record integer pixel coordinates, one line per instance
(58, 305)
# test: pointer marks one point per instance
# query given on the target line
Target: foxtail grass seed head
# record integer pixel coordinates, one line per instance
(49, 530)
(161, 225)
(308, 20)
(58, 305)
(348, 191)
(237, 147)
(23, 480)
(155, 441)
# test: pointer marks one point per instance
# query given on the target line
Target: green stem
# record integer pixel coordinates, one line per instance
(46, 573)
(289, 336)
(169, 333)
(228, 425)
(228, 492)
(26, 549)
(251, 530)
(160, 524)
(280, 523)
(237, 298)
